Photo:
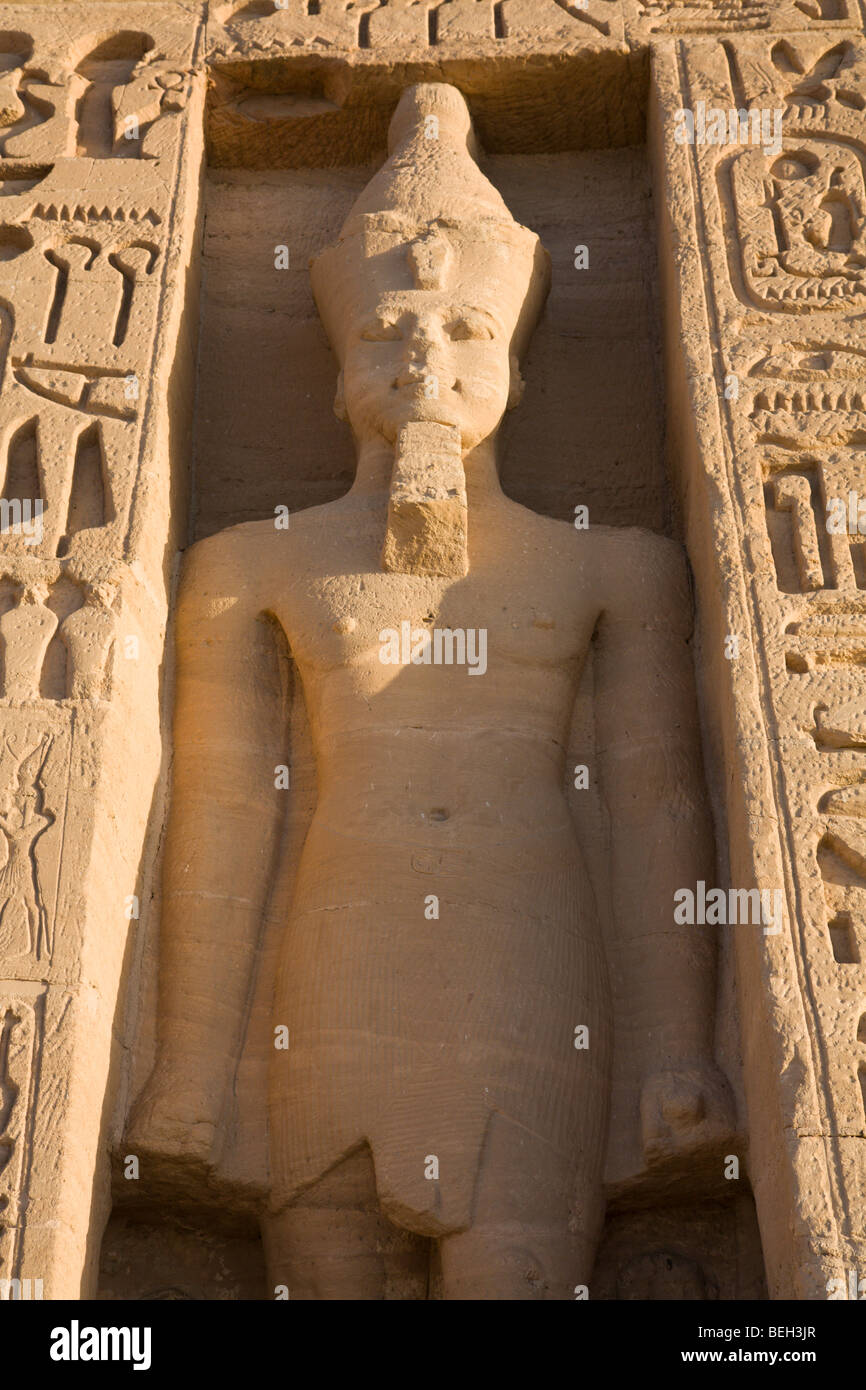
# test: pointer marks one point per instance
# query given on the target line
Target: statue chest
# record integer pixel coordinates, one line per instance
(389, 621)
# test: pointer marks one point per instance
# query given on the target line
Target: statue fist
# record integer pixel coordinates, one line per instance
(684, 1111)
(166, 1122)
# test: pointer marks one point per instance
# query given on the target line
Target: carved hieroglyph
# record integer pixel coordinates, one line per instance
(242, 30)
(773, 377)
(100, 142)
(21, 1036)
(97, 226)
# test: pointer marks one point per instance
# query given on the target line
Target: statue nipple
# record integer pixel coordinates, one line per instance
(427, 513)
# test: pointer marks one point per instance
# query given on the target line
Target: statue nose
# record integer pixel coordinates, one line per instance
(420, 349)
(419, 363)
(413, 372)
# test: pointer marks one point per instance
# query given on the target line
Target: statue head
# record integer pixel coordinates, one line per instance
(432, 291)
(102, 593)
(34, 591)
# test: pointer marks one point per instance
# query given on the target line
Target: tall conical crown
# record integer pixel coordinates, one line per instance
(430, 220)
(431, 170)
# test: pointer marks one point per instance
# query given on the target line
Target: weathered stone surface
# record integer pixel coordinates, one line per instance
(774, 439)
(97, 244)
(432, 281)
(426, 531)
(322, 991)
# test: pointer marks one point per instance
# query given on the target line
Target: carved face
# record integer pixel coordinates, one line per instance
(428, 356)
(102, 595)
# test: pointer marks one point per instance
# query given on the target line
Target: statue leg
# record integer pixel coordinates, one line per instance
(536, 1222)
(333, 1243)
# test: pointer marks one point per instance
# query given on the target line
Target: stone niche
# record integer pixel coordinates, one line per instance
(291, 141)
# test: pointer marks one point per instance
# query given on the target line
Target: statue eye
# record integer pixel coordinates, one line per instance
(468, 326)
(380, 331)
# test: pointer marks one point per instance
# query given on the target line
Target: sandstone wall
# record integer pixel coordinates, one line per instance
(696, 380)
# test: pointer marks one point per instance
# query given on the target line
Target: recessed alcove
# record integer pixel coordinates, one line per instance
(590, 426)
(590, 430)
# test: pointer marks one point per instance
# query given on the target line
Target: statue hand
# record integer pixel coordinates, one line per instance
(167, 1121)
(684, 1110)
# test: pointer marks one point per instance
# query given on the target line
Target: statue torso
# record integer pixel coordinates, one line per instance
(434, 780)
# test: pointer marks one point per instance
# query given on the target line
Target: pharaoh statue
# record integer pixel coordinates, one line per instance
(443, 944)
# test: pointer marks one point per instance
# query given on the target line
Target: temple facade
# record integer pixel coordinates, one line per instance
(433, 649)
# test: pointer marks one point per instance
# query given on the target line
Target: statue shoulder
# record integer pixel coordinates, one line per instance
(231, 567)
(644, 576)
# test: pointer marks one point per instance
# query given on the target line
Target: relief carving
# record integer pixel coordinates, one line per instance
(25, 632)
(802, 226)
(56, 638)
(392, 24)
(23, 918)
(99, 165)
(20, 1035)
(792, 433)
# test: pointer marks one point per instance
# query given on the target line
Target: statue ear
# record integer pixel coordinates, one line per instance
(517, 385)
(340, 400)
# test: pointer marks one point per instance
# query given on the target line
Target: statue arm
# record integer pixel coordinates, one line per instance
(661, 841)
(222, 839)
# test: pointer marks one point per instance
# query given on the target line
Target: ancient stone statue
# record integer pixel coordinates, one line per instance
(443, 990)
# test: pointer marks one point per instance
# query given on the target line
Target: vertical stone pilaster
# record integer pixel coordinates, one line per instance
(101, 155)
(765, 280)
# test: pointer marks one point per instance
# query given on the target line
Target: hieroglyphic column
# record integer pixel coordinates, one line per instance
(763, 236)
(100, 158)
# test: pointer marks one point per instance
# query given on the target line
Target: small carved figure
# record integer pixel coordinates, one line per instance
(26, 631)
(88, 633)
(23, 917)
